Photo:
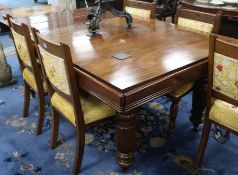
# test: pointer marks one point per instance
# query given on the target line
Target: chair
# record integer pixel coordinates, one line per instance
(222, 94)
(194, 21)
(31, 71)
(198, 21)
(167, 9)
(140, 8)
(79, 108)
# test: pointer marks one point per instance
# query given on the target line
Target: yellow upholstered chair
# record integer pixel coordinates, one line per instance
(79, 108)
(193, 21)
(196, 21)
(30, 67)
(222, 95)
(141, 8)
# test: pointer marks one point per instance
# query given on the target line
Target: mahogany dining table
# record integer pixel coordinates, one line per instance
(162, 58)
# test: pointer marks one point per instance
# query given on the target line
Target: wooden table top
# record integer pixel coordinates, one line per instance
(156, 48)
(32, 10)
(48, 17)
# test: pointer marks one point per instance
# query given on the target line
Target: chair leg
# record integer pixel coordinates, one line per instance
(203, 143)
(80, 142)
(55, 128)
(26, 99)
(173, 114)
(33, 93)
(41, 113)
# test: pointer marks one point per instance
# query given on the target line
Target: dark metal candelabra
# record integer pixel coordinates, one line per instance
(95, 15)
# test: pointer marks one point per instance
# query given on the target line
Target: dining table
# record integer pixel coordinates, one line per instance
(128, 67)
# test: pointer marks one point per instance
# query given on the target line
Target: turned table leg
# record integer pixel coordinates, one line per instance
(198, 103)
(126, 139)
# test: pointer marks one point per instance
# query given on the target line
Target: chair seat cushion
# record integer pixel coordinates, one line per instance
(93, 109)
(29, 78)
(225, 114)
(182, 91)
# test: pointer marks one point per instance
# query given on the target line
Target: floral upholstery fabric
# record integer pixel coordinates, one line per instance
(195, 25)
(21, 47)
(138, 12)
(225, 114)
(55, 70)
(30, 79)
(93, 109)
(225, 75)
(181, 91)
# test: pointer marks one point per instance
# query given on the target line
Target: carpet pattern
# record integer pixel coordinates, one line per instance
(9, 51)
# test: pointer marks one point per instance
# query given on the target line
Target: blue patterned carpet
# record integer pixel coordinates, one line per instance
(24, 153)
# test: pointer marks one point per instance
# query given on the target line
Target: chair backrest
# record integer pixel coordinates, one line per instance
(26, 52)
(198, 21)
(141, 8)
(223, 70)
(58, 72)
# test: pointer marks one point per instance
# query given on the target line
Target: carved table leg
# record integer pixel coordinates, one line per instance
(126, 139)
(198, 103)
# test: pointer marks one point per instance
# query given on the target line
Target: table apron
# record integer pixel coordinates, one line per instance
(129, 100)
(101, 90)
(162, 86)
